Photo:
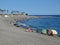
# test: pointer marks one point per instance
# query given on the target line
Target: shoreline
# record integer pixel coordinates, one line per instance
(11, 35)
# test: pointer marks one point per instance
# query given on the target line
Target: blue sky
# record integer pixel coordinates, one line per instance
(32, 7)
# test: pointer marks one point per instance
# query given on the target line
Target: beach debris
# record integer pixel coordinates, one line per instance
(28, 30)
(49, 32)
(6, 16)
(44, 31)
(54, 32)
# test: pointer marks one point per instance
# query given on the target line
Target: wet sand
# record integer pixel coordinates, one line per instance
(11, 35)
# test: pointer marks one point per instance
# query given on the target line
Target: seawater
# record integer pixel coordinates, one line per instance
(44, 23)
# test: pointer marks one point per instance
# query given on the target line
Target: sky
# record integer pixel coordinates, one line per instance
(32, 7)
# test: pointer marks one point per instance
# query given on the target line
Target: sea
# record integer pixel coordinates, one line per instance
(46, 22)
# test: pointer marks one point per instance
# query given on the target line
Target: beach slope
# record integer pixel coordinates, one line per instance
(11, 35)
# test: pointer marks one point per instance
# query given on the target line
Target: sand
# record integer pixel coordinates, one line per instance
(11, 35)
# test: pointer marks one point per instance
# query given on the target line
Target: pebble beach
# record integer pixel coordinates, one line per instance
(11, 35)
